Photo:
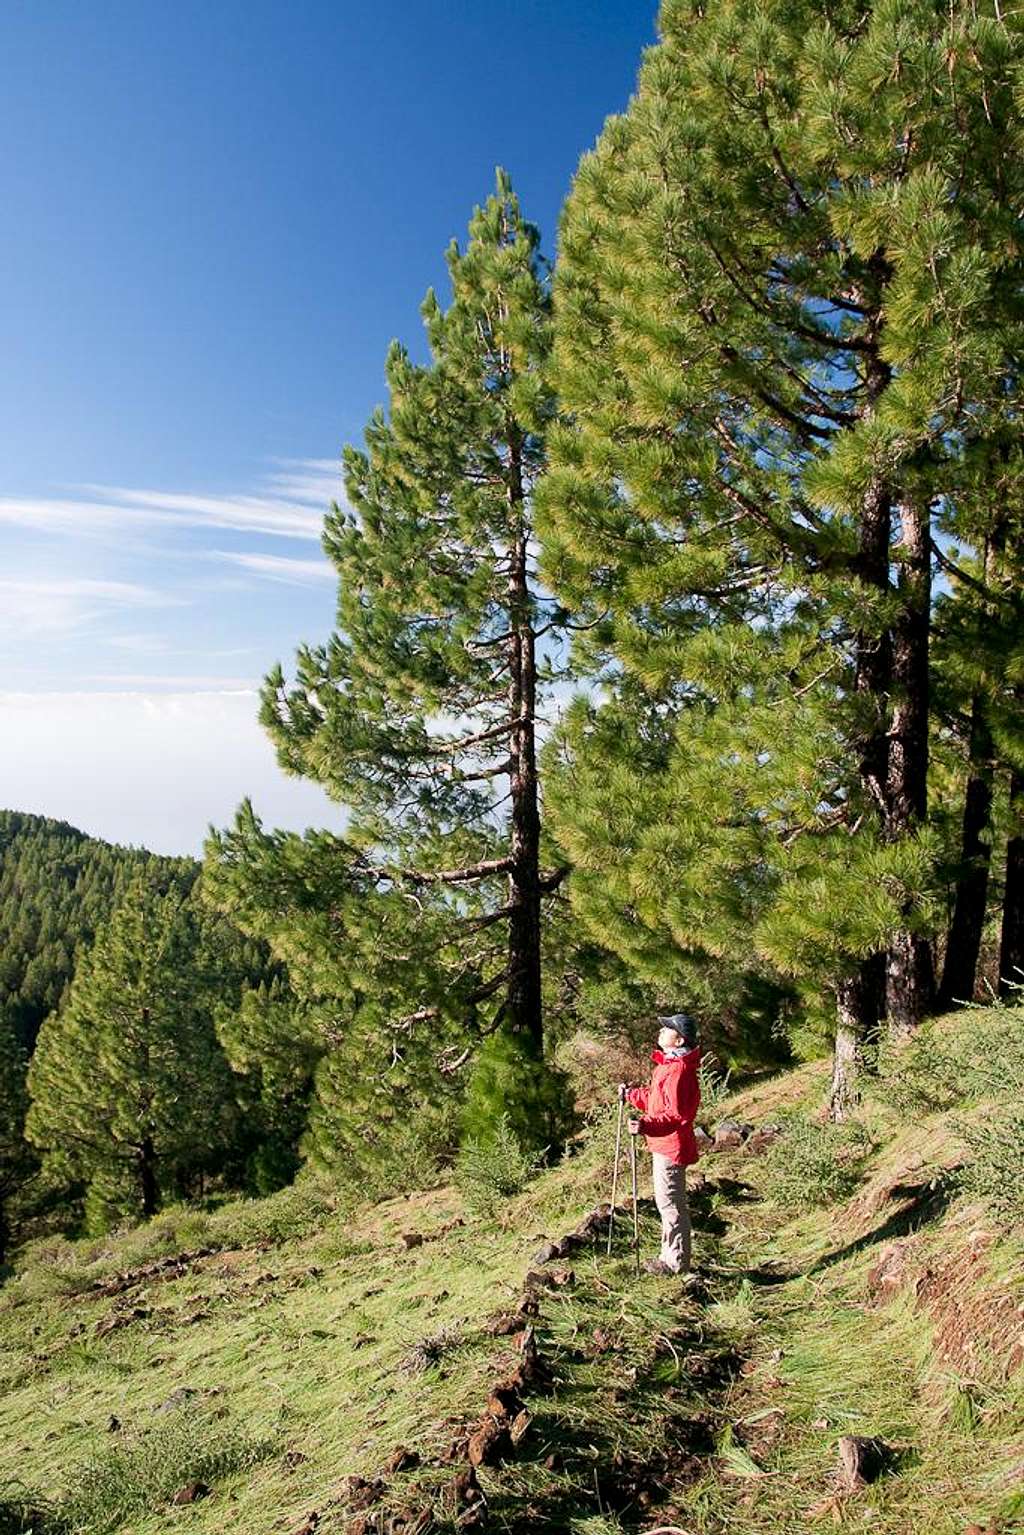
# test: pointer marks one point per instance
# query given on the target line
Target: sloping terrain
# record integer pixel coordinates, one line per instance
(289, 1365)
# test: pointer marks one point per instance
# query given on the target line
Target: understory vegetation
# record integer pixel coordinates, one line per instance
(240, 1367)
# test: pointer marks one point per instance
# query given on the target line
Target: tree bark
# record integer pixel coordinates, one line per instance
(856, 1021)
(963, 944)
(523, 995)
(1011, 946)
(910, 980)
(147, 1177)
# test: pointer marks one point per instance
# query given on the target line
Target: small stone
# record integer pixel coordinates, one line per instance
(520, 1427)
(861, 1460)
(178, 1397)
(113, 1424)
(489, 1444)
(731, 1133)
(401, 1459)
(191, 1493)
(548, 1251)
(412, 1239)
(504, 1401)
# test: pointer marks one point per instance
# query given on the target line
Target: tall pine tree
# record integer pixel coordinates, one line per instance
(780, 315)
(130, 1093)
(420, 714)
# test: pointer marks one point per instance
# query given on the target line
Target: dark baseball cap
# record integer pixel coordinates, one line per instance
(683, 1024)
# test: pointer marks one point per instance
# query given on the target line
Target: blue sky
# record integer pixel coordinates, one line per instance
(217, 215)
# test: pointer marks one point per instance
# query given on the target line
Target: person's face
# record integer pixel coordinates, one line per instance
(668, 1039)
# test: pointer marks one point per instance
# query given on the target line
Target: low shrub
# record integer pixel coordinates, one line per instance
(512, 1079)
(292, 1212)
(994, 1172)
(490, 1171)
(714, 1082)
(944, 1066)
(815, 1164)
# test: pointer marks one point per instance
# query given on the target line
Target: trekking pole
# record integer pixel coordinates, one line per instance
(615, 1170)
(636, 1212)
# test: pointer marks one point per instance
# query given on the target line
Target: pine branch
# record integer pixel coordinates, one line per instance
(470, 872)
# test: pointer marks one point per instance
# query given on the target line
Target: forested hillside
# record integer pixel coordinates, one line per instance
(57, 887)
(115, 1091)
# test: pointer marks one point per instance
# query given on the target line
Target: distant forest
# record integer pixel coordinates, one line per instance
(114, 980)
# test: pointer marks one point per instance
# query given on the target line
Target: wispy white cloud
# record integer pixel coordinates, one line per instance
(192, 683)
(313, 480)
(30, 605)
(292, 505)
(147, 644)
(278, 567)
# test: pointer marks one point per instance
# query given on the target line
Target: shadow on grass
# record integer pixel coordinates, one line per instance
(920, 1204)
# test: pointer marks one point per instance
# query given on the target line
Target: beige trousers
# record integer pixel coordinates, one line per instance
(670, 1198)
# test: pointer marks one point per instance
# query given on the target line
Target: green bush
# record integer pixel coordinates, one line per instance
(293, 1212)
(490, 1171)
(511, 1080)
(946, 1064)
(995, 1171)
(816, 1164)
(714, 1082)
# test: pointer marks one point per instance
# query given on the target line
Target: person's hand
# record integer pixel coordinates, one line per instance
(623, 1090)
(634, 1127)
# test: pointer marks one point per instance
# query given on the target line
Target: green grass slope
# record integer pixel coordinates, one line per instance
(243, 1370)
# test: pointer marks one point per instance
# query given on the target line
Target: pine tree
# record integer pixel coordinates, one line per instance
(274, 1048)
(778, 323)
(979, 661)
(420, 713)
(16, 1160)
(130, 1092)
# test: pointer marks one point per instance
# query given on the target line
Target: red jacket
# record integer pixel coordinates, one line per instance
(670, 1105)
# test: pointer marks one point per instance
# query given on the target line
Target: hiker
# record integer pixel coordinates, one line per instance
(669, 1107)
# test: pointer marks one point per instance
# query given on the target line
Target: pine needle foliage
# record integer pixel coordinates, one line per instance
(130, 1090)
(418, 932)
(781, 327)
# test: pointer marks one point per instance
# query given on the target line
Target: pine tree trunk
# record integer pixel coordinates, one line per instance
(843, 1095)
(963, 945)
(910, 983)
(147, 1177)
(858, 1001)
(1011, 947)
(523, 996)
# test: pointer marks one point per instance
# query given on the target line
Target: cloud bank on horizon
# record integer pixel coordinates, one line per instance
(135, 625)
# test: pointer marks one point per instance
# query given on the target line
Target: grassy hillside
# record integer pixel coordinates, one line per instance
(243, 1369)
